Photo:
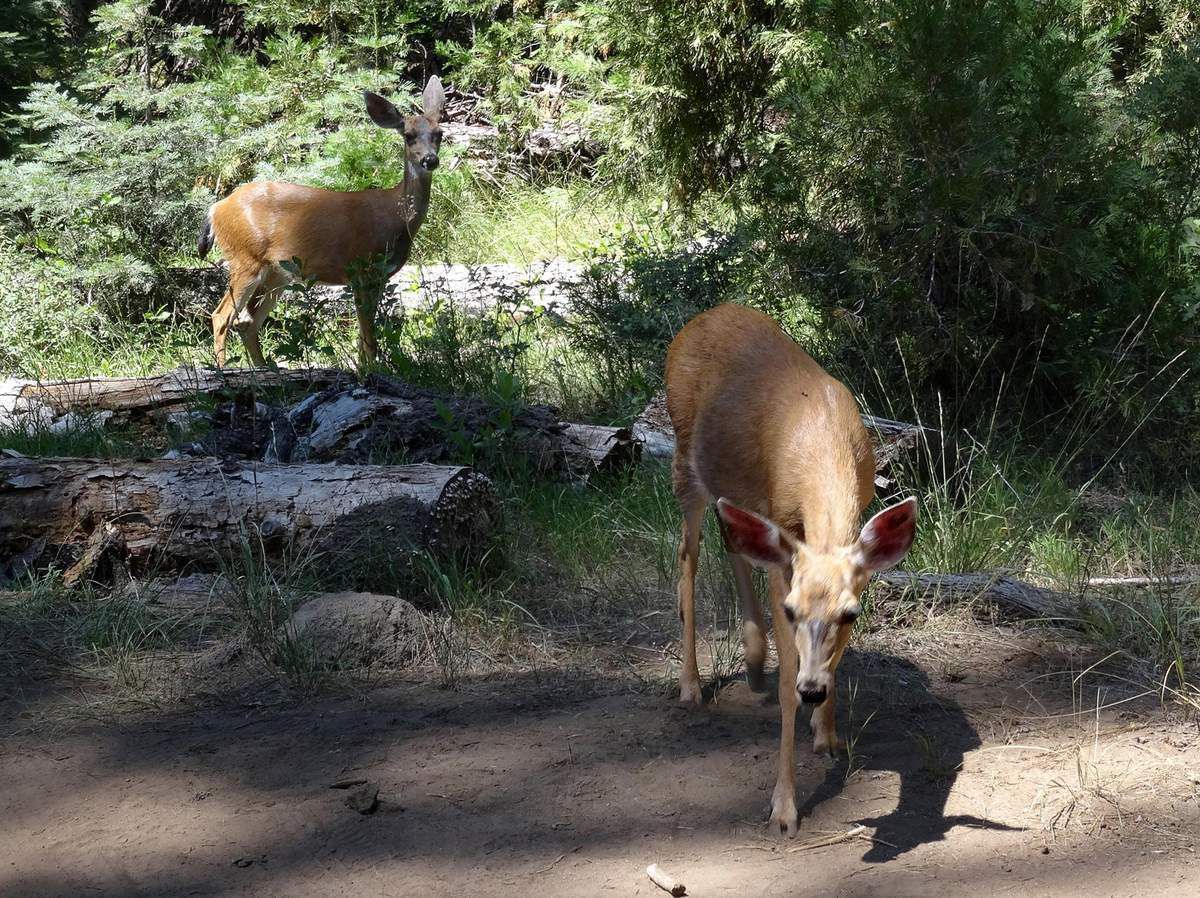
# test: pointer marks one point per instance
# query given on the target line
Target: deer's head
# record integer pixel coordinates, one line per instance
(422, 133)
(822, 602)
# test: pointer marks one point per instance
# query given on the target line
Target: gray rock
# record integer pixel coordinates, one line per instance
(361, 629)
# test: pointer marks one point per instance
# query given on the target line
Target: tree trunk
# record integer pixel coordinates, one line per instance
(195, 513)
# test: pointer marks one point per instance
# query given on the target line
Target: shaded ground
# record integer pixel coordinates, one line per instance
(984, 769)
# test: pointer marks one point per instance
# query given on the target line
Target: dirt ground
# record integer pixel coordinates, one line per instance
(984, 762)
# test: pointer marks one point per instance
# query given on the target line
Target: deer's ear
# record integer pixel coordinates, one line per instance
(888, 536)
(382, 112)
(433, 98)
(760, 540)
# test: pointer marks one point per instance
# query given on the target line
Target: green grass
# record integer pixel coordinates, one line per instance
(475, 219)
(606, 549)
(90, 629)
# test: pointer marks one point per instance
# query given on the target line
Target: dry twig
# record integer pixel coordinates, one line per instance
(665, 881)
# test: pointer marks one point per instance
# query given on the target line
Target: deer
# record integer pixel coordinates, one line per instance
(779, 446)
(333, 233)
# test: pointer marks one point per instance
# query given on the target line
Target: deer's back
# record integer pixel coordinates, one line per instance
(759, 422)
(270, 221)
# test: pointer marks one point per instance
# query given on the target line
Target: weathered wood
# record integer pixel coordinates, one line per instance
(666, 881)
(32, 403)
(601, 447)
(1167, 580)
(891, 439)
(105, 549)
(999, 589)
(386, 417)
(195, 512)
(564, 145)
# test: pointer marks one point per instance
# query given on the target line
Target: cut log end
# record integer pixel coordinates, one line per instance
(464, 517)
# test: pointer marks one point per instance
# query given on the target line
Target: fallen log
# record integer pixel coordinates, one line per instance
(891, 439)
(387, 417)
(1012, 595)
(28, 404)
(595, 446)
(1162, 582)
(195, 512)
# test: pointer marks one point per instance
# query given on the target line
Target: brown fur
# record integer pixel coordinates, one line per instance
(759, 424)
(263, 223)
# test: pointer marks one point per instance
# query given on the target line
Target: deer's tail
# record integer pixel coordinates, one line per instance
(204, 241)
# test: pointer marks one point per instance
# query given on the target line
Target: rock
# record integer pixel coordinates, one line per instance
(364, 800)
(360, 629)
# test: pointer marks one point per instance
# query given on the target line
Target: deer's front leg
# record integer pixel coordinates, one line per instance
(783, 800)
(824, 724)
(368, 345)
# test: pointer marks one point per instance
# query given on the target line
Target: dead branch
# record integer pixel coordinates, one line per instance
(665, 881)
(1012, 595)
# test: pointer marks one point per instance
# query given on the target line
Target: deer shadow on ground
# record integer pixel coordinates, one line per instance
(893, 722)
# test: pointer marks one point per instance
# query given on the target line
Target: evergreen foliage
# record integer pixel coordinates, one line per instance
(959, 194)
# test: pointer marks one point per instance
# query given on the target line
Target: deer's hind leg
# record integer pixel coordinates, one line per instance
(244, 282)
(222, 318)
(754, 626)
(271, 283)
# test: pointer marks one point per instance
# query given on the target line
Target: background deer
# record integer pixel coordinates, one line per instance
(264, 223)
(779, 445)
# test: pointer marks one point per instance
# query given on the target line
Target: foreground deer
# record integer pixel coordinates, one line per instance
(779, 445)
(264, 223)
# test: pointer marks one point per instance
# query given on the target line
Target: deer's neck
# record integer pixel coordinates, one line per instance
(411, 197)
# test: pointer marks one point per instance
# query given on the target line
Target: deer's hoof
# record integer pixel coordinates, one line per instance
(784, 818)
(690, 695)
(828, 744)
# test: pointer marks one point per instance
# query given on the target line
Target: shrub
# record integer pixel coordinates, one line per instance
(627, 308)
(996, 187)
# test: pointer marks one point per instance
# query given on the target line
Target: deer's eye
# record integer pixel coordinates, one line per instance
(848, 617)
(789, 614)
(409, 138)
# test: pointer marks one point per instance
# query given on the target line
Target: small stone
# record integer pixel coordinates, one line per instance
(364, 800)
(1045, 849)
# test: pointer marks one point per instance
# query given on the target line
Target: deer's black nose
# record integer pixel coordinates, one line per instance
(430, 162)
(813, 696)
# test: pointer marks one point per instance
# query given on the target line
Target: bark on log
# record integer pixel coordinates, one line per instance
(594, 446)
(195, 512)
(33, 404)
(1012, 595)
(891, 439)
(386, 416)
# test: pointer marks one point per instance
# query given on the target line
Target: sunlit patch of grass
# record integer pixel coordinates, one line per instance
(475, 218)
